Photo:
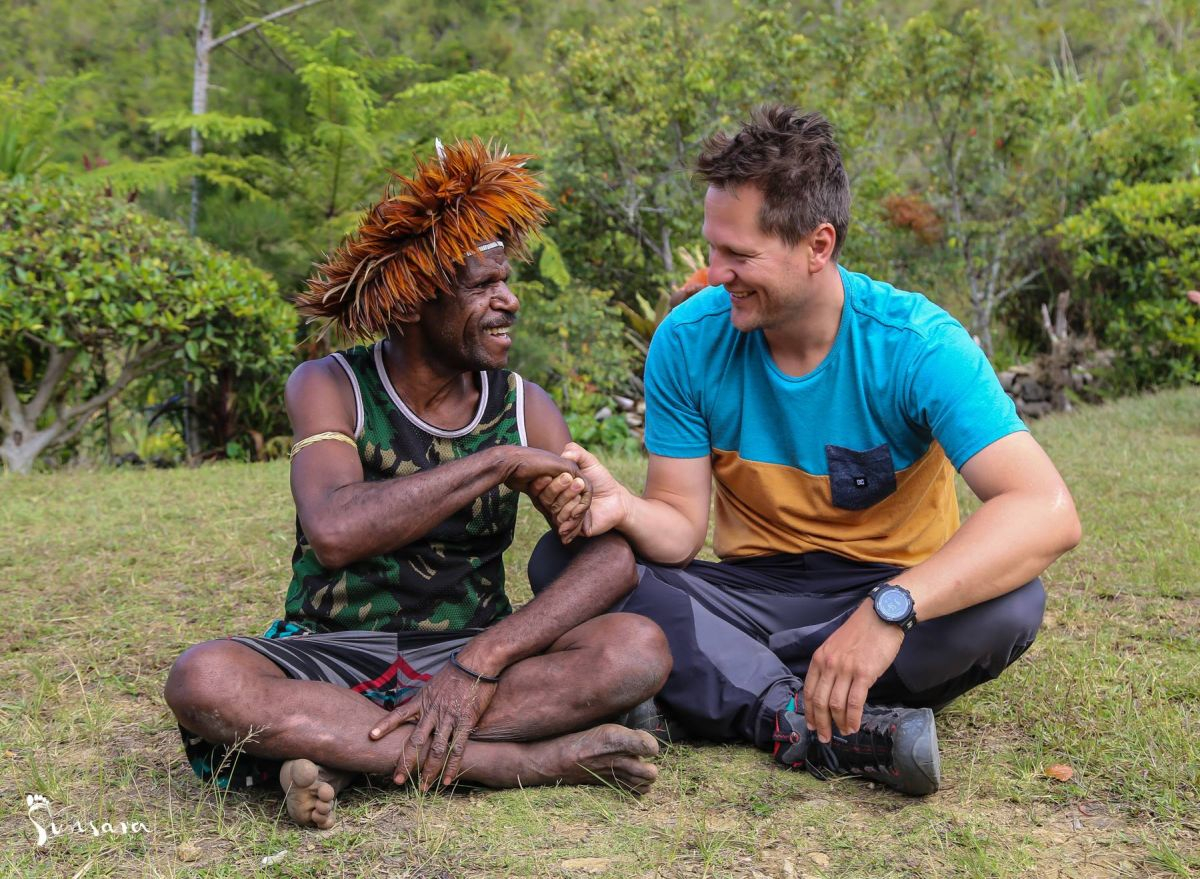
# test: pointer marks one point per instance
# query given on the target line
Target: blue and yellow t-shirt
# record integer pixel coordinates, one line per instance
(853, 458)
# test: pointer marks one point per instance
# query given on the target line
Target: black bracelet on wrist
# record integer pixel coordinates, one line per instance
(487, 679)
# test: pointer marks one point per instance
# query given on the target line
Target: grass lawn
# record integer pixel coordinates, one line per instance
(108, 576)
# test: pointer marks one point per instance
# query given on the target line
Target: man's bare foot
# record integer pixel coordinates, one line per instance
(309, 791)
(607, 754)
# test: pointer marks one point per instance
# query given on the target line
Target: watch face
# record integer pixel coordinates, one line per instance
(892, 604)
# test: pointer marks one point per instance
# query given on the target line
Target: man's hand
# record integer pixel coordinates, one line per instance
(563, 500)
(607, 509)
(532, 469)
(844, 668)
(527, 464)
(446, 713)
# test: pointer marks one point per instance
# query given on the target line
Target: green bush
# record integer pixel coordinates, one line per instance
(1150, 142)
(1135, 254)
(572, 342)
(95, 295)
(611, 434)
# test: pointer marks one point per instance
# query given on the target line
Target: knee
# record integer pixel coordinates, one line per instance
(548, 560)
(636, 653)
(198, 682)
(1014, 619)
(996, 632)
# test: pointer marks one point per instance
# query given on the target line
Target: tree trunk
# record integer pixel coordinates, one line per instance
(199, 100)
(19, 450)
(22, 441)
(981, 309)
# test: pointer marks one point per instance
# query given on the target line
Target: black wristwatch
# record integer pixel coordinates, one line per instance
(894, 604)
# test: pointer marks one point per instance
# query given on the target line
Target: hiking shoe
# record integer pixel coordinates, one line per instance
(651, 717)
(893, 746)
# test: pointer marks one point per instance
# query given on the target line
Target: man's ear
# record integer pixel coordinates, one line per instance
(822, 241)
(410, 316)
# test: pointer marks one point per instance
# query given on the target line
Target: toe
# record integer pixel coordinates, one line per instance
(634, 774)
(647, 745)
(302, 773)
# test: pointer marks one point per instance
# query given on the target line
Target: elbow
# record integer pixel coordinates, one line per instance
(686, 557)
(330, 557)
(1072, 532)
(329, 546)
(1070, 529)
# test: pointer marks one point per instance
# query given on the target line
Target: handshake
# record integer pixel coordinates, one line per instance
(574, 491)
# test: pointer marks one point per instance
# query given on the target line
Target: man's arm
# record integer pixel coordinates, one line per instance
(346, 519)
(451, 703)
(1027, 520)
(600, 575)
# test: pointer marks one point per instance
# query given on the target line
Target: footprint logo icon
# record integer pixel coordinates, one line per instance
(38, 803)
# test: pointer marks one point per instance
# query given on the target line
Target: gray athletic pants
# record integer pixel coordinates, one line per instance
(742, 633)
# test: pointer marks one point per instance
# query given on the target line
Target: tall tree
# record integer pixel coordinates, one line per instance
(205, 44)
(983, 134)
(631, 104)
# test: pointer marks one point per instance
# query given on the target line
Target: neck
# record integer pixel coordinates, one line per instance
(799, 344)
(437, 393)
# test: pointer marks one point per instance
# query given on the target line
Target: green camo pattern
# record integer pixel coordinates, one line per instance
(453, 577)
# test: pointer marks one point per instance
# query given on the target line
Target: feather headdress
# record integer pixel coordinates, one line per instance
(410, 245)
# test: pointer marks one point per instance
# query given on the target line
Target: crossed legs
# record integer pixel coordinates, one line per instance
(228, 693)
(742, 635)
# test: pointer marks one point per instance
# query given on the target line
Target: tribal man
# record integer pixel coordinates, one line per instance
(399, 653)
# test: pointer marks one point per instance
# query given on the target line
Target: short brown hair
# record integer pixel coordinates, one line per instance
(792, 158)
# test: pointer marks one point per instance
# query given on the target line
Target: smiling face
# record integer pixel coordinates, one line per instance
(469, 327)
(768, 281)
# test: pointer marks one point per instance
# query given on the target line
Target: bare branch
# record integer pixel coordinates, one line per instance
(129, 371)
(275, 52)
(1017, 286)
(60, 362)
(255, 25)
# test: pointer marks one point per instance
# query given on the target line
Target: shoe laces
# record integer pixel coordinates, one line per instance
(868, 749)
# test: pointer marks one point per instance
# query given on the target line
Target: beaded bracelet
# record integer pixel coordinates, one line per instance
(487, 679)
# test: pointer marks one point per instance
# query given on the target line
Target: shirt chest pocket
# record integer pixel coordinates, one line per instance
(858, 480)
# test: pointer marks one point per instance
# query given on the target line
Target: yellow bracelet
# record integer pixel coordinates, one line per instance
(318, 437)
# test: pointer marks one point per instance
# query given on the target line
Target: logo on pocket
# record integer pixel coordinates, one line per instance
(858, 480)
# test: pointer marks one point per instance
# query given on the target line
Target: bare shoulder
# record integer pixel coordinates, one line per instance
(545, 427)
(319, 397)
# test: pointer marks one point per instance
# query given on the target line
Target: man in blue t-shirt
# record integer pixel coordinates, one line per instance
(831, 411)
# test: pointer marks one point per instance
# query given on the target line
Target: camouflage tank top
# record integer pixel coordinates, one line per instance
(453, 577)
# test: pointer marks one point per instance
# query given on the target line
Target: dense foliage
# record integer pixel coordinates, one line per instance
(996, 155)
(95, 294)
(1136, 251)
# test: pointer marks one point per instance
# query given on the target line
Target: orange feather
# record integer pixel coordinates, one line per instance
(409, 246)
